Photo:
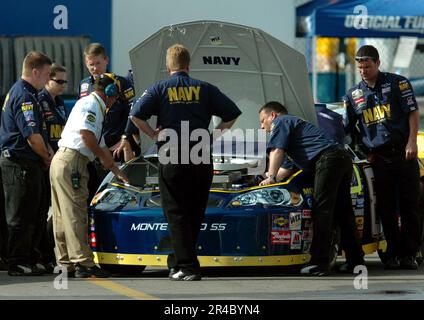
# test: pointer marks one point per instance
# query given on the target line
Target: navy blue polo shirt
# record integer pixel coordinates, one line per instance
(116, 119)
(301, 140)
(382, 112)
(182, 98)
(21, 117)
(54, 115)
(330, 123)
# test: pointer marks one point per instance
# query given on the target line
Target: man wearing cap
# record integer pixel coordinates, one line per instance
(82, 140)
(384, 108)
(118, 130)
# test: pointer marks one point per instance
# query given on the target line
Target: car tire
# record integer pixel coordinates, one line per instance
(123, 269)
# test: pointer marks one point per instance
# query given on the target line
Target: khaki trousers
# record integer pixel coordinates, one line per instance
(70, 226)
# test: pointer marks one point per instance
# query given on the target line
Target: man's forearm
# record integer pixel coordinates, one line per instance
(143, 126)
(414, 120)
(37, 144)
(276, 157)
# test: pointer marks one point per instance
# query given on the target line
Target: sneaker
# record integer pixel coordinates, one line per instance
(172, 271)
(392, 264)
(408, 263)
(24, 270)
(186, 275)
(86, 272)
(314, 270)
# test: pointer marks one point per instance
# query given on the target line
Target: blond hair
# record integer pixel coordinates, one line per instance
(177, 58)
(34, 60)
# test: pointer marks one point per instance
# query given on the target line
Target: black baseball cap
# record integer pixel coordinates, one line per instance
(367, 52)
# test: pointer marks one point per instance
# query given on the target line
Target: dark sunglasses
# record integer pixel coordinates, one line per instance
(60, 81)
(364, 58)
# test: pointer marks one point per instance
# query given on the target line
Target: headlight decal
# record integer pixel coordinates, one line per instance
(276, 196)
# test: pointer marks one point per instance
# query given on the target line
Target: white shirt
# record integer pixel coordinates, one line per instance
(87, 114)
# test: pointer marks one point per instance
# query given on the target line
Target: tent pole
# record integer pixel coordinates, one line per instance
(314, 69)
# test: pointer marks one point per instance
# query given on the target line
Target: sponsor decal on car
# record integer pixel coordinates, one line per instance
(280, 222)
(306, 246)
(308, 224)
(359, 212)
(360, 201)
(295, 220)
(306, 214)
(359, 223)
(307, 235)
(280, 237)
(296, 240)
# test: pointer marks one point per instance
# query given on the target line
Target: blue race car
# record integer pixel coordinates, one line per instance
(245, 224)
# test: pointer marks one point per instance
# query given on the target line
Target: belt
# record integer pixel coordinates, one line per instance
(329, 149)
(5, 154)
(70, 150)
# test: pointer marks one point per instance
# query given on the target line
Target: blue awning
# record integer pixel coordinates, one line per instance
(369, 18)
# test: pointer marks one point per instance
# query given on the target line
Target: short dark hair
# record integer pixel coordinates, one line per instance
(273, 106)
(95, 49)
(35, 60)
(367, 52)
(55, 69)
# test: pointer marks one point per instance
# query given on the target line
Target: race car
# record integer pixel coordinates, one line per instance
(245, 224)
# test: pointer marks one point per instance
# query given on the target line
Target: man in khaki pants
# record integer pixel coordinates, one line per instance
(80, 143)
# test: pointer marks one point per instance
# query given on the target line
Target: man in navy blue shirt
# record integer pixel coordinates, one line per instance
(181, 104)
(24, 154)
(53, 111)
(384, 108)
(117, 127)
(306, 147)
(330, 123)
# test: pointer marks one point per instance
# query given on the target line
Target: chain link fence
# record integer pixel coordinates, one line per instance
(336, 69)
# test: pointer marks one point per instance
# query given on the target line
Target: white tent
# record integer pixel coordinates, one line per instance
(246, 63)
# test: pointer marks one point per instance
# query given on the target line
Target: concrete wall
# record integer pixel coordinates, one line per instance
(135, 20)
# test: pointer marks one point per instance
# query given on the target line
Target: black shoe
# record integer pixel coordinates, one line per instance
(348, 268)
(314, 270)
(86, 272)
(392, 264)
(172, 271)
(186, 275)
(49, 267)
(408, 263)
(3, 265)
(24, 270)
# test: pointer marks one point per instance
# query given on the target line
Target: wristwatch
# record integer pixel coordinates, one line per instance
(272, 177)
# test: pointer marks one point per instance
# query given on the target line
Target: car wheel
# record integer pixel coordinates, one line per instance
(123, 269)
(335, 246)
